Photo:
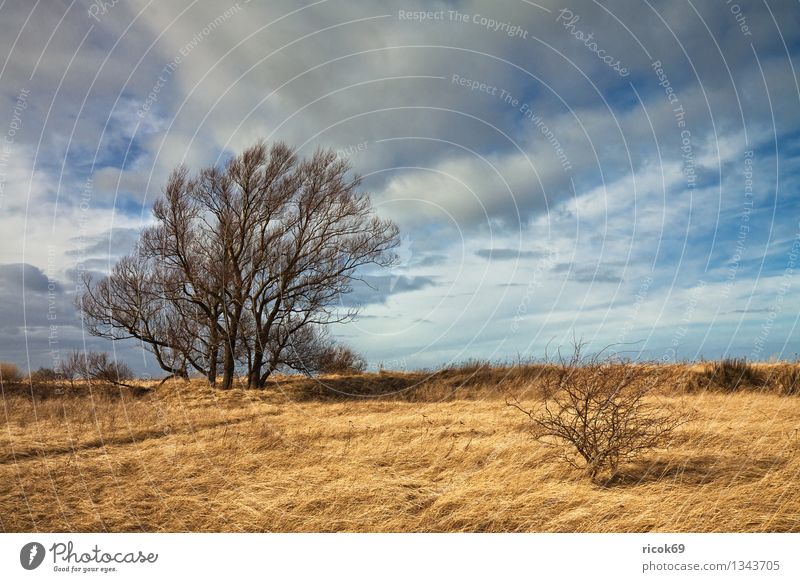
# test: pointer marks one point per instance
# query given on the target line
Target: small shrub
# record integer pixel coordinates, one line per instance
(598, 412)
(731, 375)
(786, 379)
(44, 375)
(339, 359)
(9, 373)
(94, 367)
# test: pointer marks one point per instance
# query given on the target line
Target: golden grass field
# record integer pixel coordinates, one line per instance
(444, 454)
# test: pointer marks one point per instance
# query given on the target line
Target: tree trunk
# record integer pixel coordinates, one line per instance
(229, 358)
(228, 367)
(255, 368)
(212, 364)
(271, 367)
(213, 350)
(257, 364)
(227, 371)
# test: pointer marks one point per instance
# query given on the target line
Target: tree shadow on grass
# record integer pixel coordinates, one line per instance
(700, 470)
(332, 388)
(458, 382)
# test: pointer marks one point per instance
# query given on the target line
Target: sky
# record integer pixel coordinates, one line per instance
(621, 172)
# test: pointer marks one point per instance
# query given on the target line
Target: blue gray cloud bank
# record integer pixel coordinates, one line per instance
(627, 172)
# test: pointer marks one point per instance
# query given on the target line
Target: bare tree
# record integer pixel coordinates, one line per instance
(604, 412)
(242, 258)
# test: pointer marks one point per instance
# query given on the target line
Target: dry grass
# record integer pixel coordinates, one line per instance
(443, 454)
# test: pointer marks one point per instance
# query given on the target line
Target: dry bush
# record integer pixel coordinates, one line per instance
(470, 366)
(339, 359)
(9, 373)
(786, 379)
(730, 375)
(43, 375)
(601, 413)
(94, 367)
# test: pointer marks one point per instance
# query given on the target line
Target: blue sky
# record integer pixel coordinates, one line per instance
(540, 192)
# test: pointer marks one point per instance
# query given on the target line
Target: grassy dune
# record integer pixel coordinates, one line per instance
(443, 452)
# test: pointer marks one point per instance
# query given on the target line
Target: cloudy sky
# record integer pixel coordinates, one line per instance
(624, 171)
